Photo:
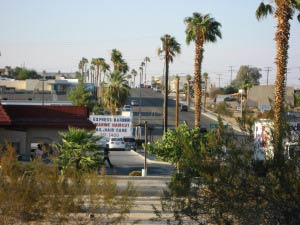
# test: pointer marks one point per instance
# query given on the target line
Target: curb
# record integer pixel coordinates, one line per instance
(150, 160)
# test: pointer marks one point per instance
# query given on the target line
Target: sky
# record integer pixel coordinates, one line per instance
(54, 35)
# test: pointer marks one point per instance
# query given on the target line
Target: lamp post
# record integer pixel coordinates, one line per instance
(145, 150)
(43, 88)
(241, 91)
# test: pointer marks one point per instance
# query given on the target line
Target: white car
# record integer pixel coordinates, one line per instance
(116, 143)
(127, 108)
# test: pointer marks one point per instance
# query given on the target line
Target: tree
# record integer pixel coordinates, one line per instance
(118, 61)
(81, 66)
(219, 183)
(142, 66)
(205, 78)
(22, 74)
(146, 59)
(117, 92)
(188, 79)
(80, 96)
(92, 73)
(134, 74)
(247, 74)
(284, 11)
(169, 49)
(78, 150)
(201, 29)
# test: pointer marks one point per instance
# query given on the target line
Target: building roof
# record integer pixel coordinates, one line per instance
(50, 116)
(4, 118)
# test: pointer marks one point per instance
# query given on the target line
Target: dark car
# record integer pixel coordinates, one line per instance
(130, 143)
(203, 130)
(184, 108)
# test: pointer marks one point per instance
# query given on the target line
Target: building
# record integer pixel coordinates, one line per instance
(23, 125)
(259, 96)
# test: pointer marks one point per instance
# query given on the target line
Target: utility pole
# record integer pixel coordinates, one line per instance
(219, 78)
(231, 71)
(268, 69)
(145, 150)
(166, 93)
(177, 101)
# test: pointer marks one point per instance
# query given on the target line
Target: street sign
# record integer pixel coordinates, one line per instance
(112, 126)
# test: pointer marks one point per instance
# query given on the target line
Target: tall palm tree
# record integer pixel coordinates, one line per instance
(188, 79)
(129, 77)
(104, 68)
(142, 69)
(200, 29)
(97, 62)
(146, 59)
(92, 73)
(134, 74)
(117, 92)
(205, 78)
(169, 48)
(116, 58)
(284, 10)
(82, 65)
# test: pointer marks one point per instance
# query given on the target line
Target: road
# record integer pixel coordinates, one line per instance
(152, 111)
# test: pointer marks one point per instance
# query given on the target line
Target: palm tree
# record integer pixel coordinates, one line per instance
(146, 59)
(169, 48)
(188, 79)
(116, 58)
(205, 78)
(129, 77)
(284, 10)
(142, 66)
(134, 74)
(117, 92)
(104, 68)
(82, 65)
(200, 29)
(76, 148)
(92, 73)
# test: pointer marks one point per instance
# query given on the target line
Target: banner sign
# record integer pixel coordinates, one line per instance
(112, 126)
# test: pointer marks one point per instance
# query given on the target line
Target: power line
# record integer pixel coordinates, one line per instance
(231, 71)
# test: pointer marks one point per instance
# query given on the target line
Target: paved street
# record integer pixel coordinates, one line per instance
(127, 161)
(152, 111)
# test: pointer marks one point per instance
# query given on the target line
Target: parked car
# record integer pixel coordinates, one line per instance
(127, 108)
(130, 143)
(203, 130)
(134, 103)
(116, 143)
(184, 108)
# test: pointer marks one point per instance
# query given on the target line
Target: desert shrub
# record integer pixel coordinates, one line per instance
(38, 193)
(135, 173)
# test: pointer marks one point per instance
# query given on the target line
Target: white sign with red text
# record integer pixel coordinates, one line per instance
(112, 126)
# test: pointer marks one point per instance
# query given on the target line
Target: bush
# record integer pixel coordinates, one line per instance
(135, 173)
(223, 109)
(36, 193)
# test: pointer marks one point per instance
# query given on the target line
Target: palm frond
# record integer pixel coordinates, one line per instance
(264, 10)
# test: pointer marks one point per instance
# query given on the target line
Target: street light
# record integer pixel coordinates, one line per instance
(241, 91)
(145, 150)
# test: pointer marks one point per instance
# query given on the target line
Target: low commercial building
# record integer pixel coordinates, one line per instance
(23, 125)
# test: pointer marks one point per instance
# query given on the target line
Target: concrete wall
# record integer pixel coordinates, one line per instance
(16, 137)
(260, 95)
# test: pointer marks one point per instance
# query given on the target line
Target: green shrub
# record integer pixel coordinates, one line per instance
(135, 173)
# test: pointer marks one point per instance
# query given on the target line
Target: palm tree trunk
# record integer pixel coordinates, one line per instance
(188, 94)
(205, 90)
(177, 101)
(197, 81)
(283, 14)
(166, 94)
